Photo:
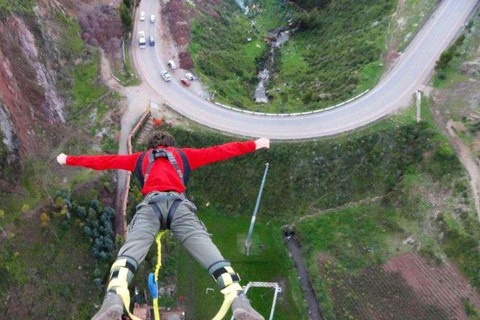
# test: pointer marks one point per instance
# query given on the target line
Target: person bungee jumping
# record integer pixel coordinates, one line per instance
(163, 171)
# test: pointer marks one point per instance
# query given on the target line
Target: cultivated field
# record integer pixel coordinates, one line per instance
(405, 287)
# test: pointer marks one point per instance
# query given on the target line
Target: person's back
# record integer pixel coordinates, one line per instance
(162, 171)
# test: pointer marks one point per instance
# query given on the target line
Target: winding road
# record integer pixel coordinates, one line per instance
(411, 71)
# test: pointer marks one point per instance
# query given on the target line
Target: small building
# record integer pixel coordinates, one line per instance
(145, 312)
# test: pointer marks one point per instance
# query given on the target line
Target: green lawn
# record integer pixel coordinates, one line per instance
(272, 264)
(85, 87)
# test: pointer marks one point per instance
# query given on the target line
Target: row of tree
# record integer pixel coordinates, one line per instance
(96, 222)
(126, 13)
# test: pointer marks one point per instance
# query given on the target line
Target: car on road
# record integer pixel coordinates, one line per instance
(151, 40)
(185, 82)
(166, 76)
(141, 39)
(172, 64)
(152, 18)
(142, 16)
(190, 76)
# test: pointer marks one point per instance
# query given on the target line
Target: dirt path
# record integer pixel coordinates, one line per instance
(314, 311)
(465, 157)
(322, 212)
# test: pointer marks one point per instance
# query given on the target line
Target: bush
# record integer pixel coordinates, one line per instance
(98, 226)
(126, 17)
(447, 55)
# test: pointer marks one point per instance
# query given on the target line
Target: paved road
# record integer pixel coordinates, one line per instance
(394, 91)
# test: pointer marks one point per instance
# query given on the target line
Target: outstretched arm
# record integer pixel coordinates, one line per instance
(103, 162)
(201, 157)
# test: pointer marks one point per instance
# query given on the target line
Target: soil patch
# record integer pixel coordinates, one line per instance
(405, 287)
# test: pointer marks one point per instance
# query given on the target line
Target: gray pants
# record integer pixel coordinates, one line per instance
(185, 225)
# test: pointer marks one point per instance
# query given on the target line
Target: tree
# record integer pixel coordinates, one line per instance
(95, 204)
(92, 215)
(88, 231)
(128, 3)
(97, 282)
(103, 255)
(109, 230)
(109, 212)
(81, 212)
(108, 244)
(126, 16)
(44, 219)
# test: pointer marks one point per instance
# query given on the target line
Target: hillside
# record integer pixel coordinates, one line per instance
(50, 97)
(285, 57)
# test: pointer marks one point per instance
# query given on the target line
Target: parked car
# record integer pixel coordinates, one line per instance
(142, 16)
(171, 64)
(190, 76)
(185, 82)
(151, 40)
(152, 18)
(166, 76)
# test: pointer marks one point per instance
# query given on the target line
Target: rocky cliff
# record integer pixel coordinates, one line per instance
(32, 62)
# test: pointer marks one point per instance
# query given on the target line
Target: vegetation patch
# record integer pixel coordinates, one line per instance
(309, 176)
(407, 19)
(334, 53)
(23, 7)
(271, 263)
(428, 211)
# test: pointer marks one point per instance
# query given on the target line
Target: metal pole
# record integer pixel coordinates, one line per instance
(272, 311)
(248, 242)
(419, 105)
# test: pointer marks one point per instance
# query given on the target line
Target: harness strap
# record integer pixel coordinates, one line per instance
(165, 220)
(171, 212)
(172, 160)
(186, 166)
(138, 169)
(162, 153)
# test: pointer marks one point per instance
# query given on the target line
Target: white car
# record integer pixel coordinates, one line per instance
(190, 76)
(166, 76)
(152, 18)
(141, 39)
(171, 64)
(142, 16)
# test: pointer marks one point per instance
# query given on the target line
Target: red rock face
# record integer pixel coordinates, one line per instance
(28, 84)
(19, 92)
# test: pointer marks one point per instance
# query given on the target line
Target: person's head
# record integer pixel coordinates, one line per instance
(160, 138)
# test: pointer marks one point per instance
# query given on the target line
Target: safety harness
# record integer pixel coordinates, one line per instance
(153, 155)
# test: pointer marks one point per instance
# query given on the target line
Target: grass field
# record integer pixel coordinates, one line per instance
(271, 264)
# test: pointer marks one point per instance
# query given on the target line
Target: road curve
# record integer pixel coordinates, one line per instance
(394, 91)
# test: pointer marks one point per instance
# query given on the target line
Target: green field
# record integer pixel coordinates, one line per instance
(334, 54)
(271, 264)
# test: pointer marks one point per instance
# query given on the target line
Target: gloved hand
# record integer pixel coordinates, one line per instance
(262, 143)
(230, 293)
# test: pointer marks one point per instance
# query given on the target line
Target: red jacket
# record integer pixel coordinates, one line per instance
(163, 176)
